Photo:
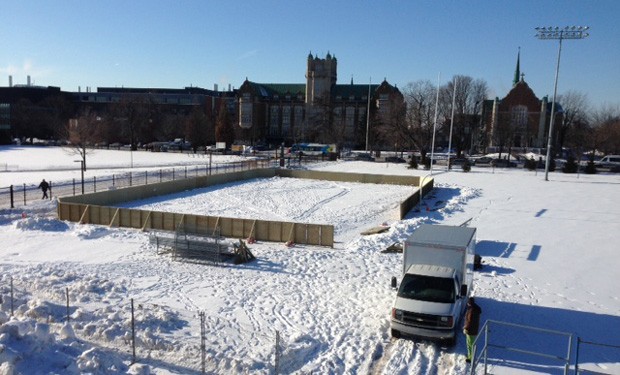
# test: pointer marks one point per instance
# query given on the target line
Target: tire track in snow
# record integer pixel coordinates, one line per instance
(415, 358)
(319, 205)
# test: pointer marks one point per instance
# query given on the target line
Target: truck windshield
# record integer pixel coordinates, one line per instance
(427, 288)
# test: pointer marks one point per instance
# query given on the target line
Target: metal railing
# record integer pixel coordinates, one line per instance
(603, 352)
(21, 195)
(495, 327)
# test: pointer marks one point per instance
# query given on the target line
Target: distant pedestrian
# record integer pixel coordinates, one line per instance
(471, 326)
(44, 186)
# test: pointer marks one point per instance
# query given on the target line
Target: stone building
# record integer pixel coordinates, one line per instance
(319, 110)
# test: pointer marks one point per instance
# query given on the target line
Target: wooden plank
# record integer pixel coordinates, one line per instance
(147, 221)
(84, 215)
(313, 234)
(327, 235)
(375, 230)
(114, 222)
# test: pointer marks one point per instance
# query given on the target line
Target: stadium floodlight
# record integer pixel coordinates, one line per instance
(574, 32)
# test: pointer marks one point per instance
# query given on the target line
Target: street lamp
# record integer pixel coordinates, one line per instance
(569, 32)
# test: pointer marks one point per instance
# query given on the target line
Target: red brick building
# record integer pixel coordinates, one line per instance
(519, 120)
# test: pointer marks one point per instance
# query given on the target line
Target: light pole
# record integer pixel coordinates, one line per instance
(82, 167)
(368, 114)
(569, 32)
(435, 124)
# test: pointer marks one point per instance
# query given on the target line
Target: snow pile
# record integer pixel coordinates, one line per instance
(549, 249)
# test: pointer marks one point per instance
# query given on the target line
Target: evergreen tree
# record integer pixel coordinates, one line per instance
(530, 164)
(413, 163)
(466, 166)
(590, 168)
(570, 166)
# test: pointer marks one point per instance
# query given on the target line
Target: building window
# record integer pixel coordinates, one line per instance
(274, 120)
(518, 117)
(245, 115)
(286, 119)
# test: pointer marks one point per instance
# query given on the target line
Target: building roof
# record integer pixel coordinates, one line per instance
(344, 91)
(444, 235)
(355, 90)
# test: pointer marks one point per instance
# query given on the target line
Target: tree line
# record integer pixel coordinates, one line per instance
(407, 125)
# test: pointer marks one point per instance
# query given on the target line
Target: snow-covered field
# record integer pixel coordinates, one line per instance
(549, 247)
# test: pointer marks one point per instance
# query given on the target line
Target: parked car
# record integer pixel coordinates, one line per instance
(394, 159)
(484, 161)
(487, 161)
(503, 163)
(364, 157)
(609, 162)
(458, 161)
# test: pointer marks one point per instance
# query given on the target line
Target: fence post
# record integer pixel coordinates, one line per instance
(276, 366)
(567, 364)
(113, 181)
(67, 293)
(130, 179)
(94, 184)
(186, 171)
(172, 174)
(74, 187)
(486, 345)
(133, 334)
(160, 175)
(24, 194)
(146, 177)
(203, 340)
(12, 202)
(577, 355)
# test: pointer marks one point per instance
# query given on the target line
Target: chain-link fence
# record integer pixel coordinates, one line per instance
(112, 329)
(20, 195)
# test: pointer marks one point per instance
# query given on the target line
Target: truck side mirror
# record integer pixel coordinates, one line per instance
(394, 282)
(463, 290)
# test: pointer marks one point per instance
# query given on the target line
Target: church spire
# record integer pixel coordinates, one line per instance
(515, 80)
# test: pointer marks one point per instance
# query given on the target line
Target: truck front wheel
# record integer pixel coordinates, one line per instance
(450, 342)
(395, 333)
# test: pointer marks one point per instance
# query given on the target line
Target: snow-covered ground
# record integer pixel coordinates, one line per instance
(549, 248)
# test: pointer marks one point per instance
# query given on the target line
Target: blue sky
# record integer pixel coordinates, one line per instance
(175, 44)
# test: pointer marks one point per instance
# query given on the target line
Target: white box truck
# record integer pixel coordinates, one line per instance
(438, 263)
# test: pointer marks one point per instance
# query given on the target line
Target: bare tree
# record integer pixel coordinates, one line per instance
(198, 127)
(133, 117)
(606, 129)
(320, 121)
(391, 123)
(82, 132)
(576, 107)
(417, 129)
(224, 130)
(468, 98)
